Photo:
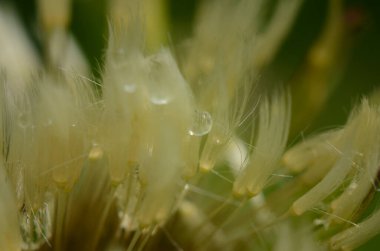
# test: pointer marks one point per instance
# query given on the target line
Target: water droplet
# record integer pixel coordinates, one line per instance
(160, 99)
(353, 186)
(159, 94)
(202, 123)
(129, 87)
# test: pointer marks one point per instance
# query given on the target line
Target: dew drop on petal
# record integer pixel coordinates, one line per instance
(202, 123)
(160, 99)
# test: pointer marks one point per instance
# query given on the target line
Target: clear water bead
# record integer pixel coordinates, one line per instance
(202, 123)
(160, 99)
(159, 95)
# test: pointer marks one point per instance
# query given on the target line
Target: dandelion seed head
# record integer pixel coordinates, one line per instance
(177, 147)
